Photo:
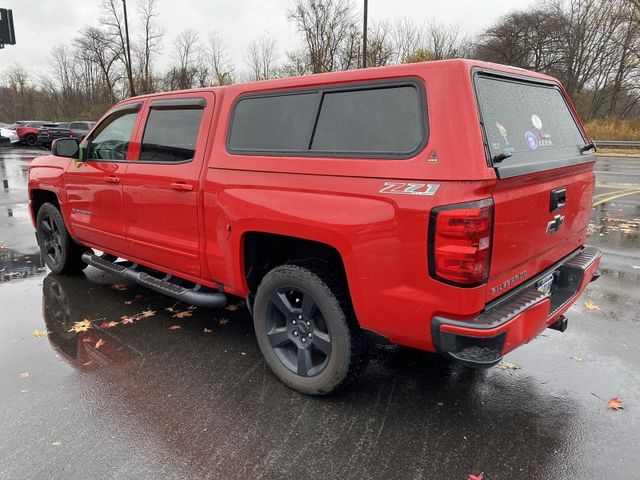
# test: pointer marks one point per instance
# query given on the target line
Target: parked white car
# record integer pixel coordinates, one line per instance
(10, 134)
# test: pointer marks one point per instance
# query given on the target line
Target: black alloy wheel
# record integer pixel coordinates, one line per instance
(297, 331)
(59, 251)
(306, 328)
(51, 240)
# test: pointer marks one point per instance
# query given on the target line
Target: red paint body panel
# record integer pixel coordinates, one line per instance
(382, 239)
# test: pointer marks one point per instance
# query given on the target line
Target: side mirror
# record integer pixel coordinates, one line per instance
(65, 147)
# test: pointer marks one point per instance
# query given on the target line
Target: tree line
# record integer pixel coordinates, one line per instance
(592, 46)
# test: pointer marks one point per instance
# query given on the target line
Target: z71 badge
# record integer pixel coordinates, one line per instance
(410, 188)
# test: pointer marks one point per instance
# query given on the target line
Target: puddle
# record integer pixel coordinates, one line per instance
(615, 225)
(16, 266)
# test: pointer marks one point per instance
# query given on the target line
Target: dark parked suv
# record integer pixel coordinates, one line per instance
(49, 132)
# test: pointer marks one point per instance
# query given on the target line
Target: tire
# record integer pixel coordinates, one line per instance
(31, 140)
(59, 251)
(306, 329)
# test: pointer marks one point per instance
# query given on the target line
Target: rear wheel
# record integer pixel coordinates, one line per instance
(306, 329)
(31, 140)
(60, 252)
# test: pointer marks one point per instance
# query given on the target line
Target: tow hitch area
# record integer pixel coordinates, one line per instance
(561, 324)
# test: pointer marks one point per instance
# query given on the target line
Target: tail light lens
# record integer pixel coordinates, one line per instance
(460, 239)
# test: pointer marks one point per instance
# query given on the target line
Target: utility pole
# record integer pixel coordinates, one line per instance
(129, 67)
(364, 35)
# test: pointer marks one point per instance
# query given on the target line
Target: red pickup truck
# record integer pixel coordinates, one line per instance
(441, 206)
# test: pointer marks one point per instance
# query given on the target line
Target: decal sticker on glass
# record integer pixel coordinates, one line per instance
(532, 140)
(503, 132)
(535, 119)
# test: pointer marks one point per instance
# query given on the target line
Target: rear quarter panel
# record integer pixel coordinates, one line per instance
(382, 238)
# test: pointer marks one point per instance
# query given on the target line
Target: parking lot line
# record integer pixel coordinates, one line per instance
(614, 197)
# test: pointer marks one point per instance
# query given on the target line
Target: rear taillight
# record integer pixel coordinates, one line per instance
(460, 243)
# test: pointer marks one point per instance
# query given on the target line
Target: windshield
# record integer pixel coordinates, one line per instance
(528, 126)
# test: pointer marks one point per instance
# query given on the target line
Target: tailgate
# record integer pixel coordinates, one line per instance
(545, 177)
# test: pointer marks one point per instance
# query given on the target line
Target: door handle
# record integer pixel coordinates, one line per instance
(182, 187)
(112, 179)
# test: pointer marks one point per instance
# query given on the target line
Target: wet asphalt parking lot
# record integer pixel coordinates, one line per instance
(155, 401)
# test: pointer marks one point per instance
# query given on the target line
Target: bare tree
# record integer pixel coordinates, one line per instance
(94, 46)
(149, 40)
(350, 53)
(261, 57)
(17, 97)
(445, 41)
(406, 38)
(297, 63)
(379, 44)
(182, 74)
(221, 67)
(325, 26)
(113, 19)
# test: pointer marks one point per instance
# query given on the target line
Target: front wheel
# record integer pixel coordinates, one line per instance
(60, 252)
(306, 329)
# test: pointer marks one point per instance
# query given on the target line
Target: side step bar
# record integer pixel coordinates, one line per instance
(199, 296)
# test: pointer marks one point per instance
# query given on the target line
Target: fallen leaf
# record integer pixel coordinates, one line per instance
(110, 324)
(139, 297)
(56, 444)
(183, 314)
(38, 333)
(128, 302)
(86, 364)
(87, 340)
(208, 330)
(575, 358)
(615, 404)
(508, 366)
(476, 477)
(224, 321)
(119, 286)
(147, 313)
(191, 307)
(170, 309)
(175, 327)
(590, 305)
(234, 307)
(126, 319)
(100, 343)
(82, 326)
(25, 375)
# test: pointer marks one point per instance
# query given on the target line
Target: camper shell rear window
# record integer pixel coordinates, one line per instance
(528, 126)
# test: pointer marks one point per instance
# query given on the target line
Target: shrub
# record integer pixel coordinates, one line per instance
(614, 129)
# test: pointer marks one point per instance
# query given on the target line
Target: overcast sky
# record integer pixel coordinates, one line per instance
(41, 24)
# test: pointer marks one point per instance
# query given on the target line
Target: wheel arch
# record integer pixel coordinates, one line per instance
(39, 197)
(262, 251)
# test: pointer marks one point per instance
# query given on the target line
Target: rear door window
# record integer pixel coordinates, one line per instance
(528, 126)
(170, 134)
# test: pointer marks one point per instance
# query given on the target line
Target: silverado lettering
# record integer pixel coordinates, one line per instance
(278, 192)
